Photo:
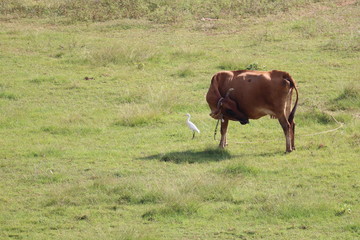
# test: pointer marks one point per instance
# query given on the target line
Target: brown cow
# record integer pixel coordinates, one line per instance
(242, 95)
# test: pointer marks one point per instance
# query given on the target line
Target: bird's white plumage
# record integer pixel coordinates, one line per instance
(191, 125)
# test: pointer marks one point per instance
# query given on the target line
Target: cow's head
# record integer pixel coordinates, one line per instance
(229, 109)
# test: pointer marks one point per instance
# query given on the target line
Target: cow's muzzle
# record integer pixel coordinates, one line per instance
(244, 121)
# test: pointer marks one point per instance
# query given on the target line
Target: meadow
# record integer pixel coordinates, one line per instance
(94, 143)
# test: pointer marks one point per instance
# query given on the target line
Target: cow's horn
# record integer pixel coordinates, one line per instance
(228, 92)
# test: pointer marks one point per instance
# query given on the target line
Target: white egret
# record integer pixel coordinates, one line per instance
(191, 125)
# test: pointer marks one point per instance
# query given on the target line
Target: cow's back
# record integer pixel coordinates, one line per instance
(259, 93)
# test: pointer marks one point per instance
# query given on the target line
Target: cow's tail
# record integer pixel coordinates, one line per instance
(292, 85)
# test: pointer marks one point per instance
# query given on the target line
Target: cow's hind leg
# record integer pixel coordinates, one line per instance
(223, 130)
(293, 135)
(292, 123)
(286, 127)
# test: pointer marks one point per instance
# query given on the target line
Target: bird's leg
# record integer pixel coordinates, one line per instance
(193, 135)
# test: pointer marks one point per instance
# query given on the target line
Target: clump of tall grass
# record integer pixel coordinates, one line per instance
(183, 198)
(300, 211)
(353, 228)
(129, 97)
(8, 96)
(76, 10)
(178, 208)
(135, 194)
(348, 99)
(161, 98)
(166, 14)
(40, 80)
(231, 64)
(309, 28)
(66, 131)
(118, 53)
(149, 109)
(235, 64)
(187, 54)
(116, 191)
(289, 206)
(160, 11)
(314, 116)
(185, 72)
(210, 189)
(132, 234)
(239, 169)
(351, 44)
(132, 115)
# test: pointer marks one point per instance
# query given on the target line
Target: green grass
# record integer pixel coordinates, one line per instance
(94, 143)
(348, 99)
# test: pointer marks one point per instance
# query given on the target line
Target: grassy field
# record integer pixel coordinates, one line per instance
(94, 143)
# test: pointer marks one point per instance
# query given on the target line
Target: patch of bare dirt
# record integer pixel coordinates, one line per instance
(346, 3)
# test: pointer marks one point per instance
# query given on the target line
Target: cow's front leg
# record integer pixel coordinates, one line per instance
(223, 130)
